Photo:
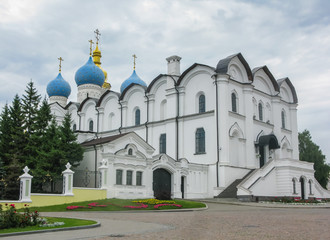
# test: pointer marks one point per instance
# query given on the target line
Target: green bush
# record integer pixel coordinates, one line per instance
(10, 218)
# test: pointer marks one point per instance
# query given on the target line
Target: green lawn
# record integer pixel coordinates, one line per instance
(113, 205)
(68, 222)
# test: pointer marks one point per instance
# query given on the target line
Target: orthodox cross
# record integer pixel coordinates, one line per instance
(91, 47)
(98, 34)
(134, 56)
(60, 66)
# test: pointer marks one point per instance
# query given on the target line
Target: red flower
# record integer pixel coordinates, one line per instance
(12, 205)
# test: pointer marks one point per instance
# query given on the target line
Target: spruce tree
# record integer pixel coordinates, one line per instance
(5, 136)
(73, 152)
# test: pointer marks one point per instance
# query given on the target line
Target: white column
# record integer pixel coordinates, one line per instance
(104, 174)
(25, 189)
(68, 180)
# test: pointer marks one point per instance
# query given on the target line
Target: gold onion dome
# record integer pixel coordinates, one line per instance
(97, 60)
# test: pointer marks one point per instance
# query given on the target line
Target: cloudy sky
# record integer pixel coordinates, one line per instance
(291, 37)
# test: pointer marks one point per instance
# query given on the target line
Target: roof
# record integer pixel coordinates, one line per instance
(102, 140)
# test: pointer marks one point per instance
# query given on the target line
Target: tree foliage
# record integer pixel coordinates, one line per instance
(30, 136)
(310, 152)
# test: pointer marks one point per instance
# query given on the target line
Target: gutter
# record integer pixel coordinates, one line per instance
(146, 123)
(121, 116)
(217, 127)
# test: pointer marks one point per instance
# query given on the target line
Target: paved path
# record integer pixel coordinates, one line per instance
(219, 221)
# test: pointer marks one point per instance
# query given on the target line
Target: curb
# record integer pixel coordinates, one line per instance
(97, 224)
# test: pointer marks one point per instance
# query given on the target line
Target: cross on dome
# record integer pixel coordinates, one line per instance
(97, 36)
(91, 47)
(135, 57)
(60, 66)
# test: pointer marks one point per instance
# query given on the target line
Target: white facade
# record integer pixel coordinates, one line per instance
(246, 119)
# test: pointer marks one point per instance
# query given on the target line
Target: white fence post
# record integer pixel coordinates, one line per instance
(68, 180)
(25, 186)
(104, 174)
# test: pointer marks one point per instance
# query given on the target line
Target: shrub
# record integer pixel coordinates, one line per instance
(10, 218)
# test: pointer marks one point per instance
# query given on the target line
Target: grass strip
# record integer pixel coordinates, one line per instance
(68, 222)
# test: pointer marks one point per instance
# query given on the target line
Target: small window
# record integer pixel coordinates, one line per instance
(233, 103)
(91, 125)
(137, 117)
(129, 175)
(294, 186)
(201, 101)
(260, 110)
(200, 140)
(139, 178)
(74, 127)
(119, 177)
(130, 151)
(283, 119)
(162, 143)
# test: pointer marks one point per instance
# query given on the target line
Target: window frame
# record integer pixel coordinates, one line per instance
(129, 177)
(200, 141)
(234, 102)
(162, 143)
(137, 117)
(201, 103)
(139, 175)
(119, 177)
(91, 125)
(261, 112)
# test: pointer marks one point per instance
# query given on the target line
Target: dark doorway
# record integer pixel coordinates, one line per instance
(182, 186)
(162, 184)
(262, 155)
(302, 184)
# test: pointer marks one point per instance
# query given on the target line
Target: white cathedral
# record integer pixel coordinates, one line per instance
(224, 131)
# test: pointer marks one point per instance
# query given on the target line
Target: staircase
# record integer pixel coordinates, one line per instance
(231, 190)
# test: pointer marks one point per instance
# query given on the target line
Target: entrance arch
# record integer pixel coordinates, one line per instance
(162, 184)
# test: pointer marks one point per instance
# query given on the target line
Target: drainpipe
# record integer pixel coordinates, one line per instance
(217, 126)
(146, 123)
(97, 122)
(121, 116)
(177, 116)
(95, 167)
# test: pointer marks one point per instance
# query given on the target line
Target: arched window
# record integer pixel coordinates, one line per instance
(200, 140)
(74, 127)
(91, 125)
(137, 117)
(233, 103)
(294, 186)
(283, 118)
(139, 178)
(201, 101)
(130, 151)
(310, 187)
(162, 143)
(260, 110)
(119, 177)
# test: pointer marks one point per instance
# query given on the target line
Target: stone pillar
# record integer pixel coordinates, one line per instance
(25, 188)
(104, 174)
(68, 180)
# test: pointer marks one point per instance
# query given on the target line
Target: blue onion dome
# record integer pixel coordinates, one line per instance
(58, 87)
(134, 78)
(89, 74)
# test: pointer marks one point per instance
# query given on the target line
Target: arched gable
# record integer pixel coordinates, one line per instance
(156, 83)
(287, 90)
(193, 70)
(106, 97)
(132, 88)
(236, 66)
(87, 103)
(264, 81)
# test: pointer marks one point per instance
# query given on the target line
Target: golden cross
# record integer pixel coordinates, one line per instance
(91, 47)
(61, 59)
(134, 56)
(98, 34)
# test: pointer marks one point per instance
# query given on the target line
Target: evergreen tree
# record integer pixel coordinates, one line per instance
(17, 140)
(50, 157)
(5, 136)
(310, 152)
(73, 152)
(31, 101)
